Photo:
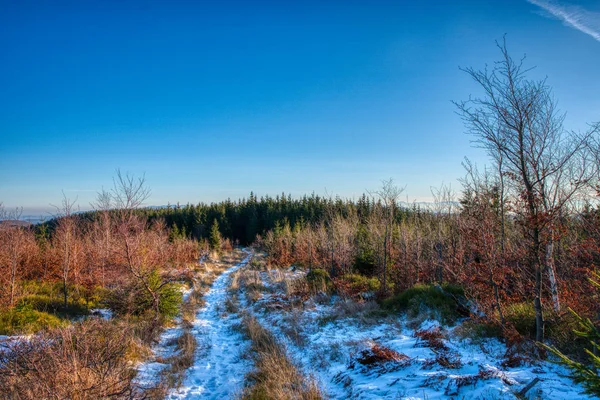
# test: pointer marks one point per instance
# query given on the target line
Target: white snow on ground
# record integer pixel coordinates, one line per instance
(330, 347)
(104, 313)
(218, 371)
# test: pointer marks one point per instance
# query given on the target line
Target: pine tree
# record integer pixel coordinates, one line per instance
(215, 236)
(586, 374)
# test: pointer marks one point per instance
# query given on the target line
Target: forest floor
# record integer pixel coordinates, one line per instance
(348, 349)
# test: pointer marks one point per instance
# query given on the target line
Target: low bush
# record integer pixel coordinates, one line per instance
(318, 280)
(84, 361)
(135, 299)
(356, 285)
(428, 300)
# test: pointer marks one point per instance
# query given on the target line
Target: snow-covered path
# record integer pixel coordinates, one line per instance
(218, 371)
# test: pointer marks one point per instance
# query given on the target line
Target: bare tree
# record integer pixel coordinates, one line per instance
(517, 122)
(389, 195)
(64, 239)
(443, 208)
(103, 229)
(140, 248)
(17, 246)
(7, 215)
(128, 192)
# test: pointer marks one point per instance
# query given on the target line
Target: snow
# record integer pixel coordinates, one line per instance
(330, 346)
(104, 313)
(219, 370)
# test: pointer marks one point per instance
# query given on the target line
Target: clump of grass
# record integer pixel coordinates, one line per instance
(275, 376)
(319, 281)
(478, 330)
(357, 286)
(522, 317)
(42, 307)
(174, 374)
(25, 320)
(559, 328)
(428, 301)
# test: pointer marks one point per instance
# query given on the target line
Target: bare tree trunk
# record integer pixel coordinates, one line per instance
(497, 299)
(310, 256)
(385, 240)
(13, 280)
(550, 269)
(440, 259)
(66, 272)
(537, 302)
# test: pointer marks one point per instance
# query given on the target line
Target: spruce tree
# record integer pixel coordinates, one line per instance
(586, 374)
(215, 236)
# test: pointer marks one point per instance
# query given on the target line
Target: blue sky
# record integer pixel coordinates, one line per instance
(216, 100)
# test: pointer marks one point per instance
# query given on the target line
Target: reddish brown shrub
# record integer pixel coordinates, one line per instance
(433, 338)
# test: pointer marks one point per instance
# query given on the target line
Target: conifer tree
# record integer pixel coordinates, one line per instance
(215, 236)
(586, 374)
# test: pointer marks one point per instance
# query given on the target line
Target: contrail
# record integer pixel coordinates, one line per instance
(576, 17)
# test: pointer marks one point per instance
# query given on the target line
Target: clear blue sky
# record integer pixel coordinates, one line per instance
(216, 100)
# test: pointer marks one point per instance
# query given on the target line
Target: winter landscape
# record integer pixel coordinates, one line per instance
(300, 200)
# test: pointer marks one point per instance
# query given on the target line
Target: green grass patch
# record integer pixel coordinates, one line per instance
(478, 330)
(41, 307)
(522, 317)
(558, 328)
(361, 283)
(25, 320)
(428, 301)
(319, 281)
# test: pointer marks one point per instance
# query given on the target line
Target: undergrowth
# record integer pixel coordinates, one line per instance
(429, 301)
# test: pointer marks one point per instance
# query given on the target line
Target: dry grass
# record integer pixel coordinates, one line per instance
(293, 327)
(87, 360)
(174, 374)
(275, 376)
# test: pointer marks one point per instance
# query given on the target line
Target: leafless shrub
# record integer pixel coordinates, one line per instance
(85, 361)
